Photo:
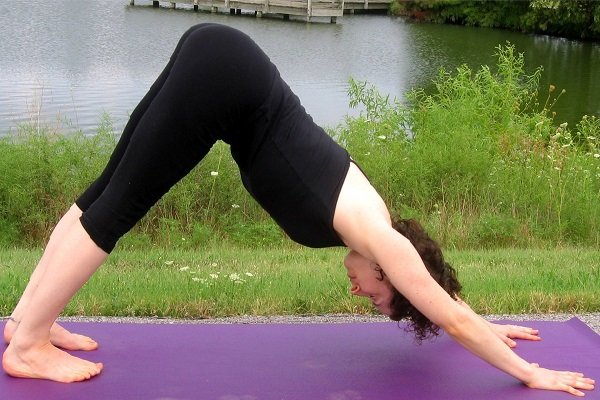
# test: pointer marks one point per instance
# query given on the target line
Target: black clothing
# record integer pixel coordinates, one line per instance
(219, 85)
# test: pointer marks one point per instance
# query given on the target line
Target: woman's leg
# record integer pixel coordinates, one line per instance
(30, 353)
(98, 186)
(58, 335)
(165, 145)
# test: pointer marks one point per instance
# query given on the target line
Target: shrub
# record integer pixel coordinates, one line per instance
(478, 160)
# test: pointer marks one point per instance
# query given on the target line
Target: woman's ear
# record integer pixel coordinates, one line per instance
(355, 289)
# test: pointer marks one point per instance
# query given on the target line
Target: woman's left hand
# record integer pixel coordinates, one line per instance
(509, 332)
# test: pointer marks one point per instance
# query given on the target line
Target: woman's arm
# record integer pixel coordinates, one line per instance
(507, 332)
(363, 222)
(403, 265)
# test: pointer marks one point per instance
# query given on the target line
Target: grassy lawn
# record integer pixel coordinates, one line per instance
(226, 281)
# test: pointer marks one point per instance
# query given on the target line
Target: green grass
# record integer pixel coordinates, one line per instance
(294, 280)
(530, 281)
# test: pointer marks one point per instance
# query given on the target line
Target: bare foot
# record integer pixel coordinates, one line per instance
(47, 362)
(59, 336)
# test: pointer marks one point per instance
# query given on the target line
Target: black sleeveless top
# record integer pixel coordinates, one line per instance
(293, 168)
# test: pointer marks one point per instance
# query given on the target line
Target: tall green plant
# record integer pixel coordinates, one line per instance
(42, 172)
(477, 160)
(480, 161)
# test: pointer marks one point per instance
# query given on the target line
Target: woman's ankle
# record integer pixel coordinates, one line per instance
(9, 328)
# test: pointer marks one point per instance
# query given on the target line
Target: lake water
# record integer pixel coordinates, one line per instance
(67, 62)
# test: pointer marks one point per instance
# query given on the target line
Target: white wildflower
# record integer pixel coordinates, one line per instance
(234, 277)
(168, 262)
(196, 279)
(213, 264)
(249, 274)
(596, 155)
(382, 137)
(235, 206)
(184, 268)
(214, 276)
(214, 173)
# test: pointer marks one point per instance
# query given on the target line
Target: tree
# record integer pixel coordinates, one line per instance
(569, 18)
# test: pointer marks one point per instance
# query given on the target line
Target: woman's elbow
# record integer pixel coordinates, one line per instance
(458, 322)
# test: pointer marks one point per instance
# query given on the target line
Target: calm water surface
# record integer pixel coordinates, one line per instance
(67, 62)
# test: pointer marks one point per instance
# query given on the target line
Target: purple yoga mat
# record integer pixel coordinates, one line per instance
(364, 361)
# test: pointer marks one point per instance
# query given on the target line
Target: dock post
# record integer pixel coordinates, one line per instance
(155, 4)
(333, 20)
(173, 5)
(258, 14)
(238, 11)
(286, 17)
(214, 10)
(132, 3)
(232, 11)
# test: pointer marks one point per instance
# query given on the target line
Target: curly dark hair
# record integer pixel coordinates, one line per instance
(440, 270)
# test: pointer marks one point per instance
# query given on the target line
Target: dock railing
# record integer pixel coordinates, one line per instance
(304, 8)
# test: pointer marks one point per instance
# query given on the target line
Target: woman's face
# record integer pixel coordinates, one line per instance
(367, 279)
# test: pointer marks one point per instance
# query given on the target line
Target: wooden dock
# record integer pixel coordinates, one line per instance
(304, 8)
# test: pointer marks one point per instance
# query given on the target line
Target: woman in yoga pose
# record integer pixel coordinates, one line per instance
(219, 85)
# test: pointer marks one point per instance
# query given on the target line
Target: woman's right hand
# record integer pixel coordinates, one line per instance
(565, 381)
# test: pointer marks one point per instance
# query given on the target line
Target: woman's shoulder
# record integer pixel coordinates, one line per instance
(360, 211)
